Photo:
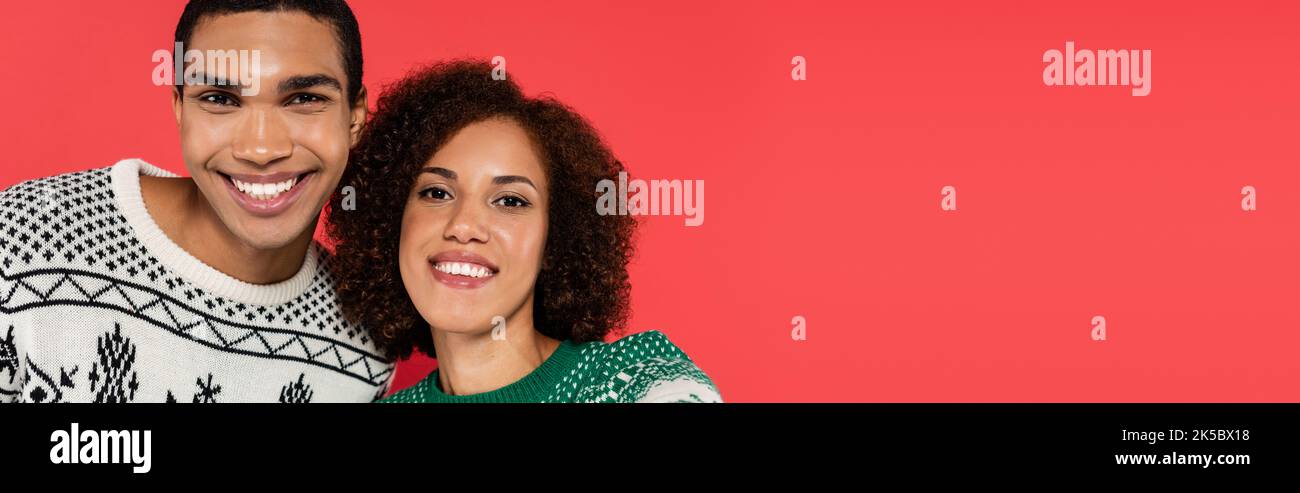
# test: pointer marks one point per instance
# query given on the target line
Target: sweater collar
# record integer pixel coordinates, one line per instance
(125, 178)
(541, 383)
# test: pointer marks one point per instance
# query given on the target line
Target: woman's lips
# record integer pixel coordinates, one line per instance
(267, 195)
(462, 270)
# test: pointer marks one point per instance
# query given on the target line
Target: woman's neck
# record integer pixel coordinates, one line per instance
(479, 362)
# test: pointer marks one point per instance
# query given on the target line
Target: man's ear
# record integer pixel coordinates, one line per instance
(176, 104)
(358, 116)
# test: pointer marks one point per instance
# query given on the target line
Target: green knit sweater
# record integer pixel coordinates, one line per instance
(643, 367)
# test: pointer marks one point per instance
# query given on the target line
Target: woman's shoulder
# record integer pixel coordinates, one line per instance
(647, 367)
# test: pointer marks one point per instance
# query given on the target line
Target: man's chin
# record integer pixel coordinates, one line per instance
(270, 235)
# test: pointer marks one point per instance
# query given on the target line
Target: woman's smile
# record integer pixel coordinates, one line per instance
(462, 270)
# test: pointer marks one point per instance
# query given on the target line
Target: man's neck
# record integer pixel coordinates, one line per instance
(184, 215)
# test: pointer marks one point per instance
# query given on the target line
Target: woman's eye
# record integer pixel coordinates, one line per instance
(512, 201)
(435, 194)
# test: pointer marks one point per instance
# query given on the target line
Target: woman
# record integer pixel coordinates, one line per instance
(476, 239)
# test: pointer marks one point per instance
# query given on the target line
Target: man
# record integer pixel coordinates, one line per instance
(128, 284)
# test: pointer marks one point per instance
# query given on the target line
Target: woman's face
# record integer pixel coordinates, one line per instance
(474, 229)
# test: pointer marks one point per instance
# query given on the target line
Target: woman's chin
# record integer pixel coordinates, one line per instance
(468, 326)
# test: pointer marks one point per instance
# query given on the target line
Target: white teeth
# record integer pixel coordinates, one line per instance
(264, 191)
(463, 269)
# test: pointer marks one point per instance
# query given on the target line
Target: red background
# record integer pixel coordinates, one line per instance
(822, 196)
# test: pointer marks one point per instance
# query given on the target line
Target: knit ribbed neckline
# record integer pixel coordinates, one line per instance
(534, 387)
(126, 190)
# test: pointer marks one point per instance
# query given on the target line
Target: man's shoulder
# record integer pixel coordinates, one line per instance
(56, 220)
(33, 197)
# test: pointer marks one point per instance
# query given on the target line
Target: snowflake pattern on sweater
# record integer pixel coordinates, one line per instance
(644, 367)
(98, 305)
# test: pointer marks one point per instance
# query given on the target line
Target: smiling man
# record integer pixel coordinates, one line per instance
(129, 284)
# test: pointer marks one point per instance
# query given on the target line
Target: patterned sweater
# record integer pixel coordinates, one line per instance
(98, 305)
(643, 367)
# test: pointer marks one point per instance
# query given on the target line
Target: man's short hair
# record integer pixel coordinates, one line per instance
(334, 12)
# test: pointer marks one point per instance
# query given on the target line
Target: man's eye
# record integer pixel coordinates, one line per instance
(218, 99)
(306, 99)
(512, 201)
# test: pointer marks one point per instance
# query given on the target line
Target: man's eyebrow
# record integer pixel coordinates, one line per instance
(443, 172)
(300, 82)
(228, 84)
(508, 179)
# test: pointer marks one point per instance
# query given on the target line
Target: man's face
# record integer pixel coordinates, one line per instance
(268, 162)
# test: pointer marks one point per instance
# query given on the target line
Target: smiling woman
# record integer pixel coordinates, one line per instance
(476, 239)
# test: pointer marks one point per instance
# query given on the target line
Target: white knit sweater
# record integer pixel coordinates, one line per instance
(98, 305)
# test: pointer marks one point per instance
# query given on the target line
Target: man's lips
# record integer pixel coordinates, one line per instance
(265, 177)
(267, 194)
(462, 270)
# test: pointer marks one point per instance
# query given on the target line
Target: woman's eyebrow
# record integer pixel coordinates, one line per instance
(440, 171)
(508, 179)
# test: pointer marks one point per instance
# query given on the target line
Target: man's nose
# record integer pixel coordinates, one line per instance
(262, 138)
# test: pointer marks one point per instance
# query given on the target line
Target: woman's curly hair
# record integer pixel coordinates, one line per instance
(582, 291)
